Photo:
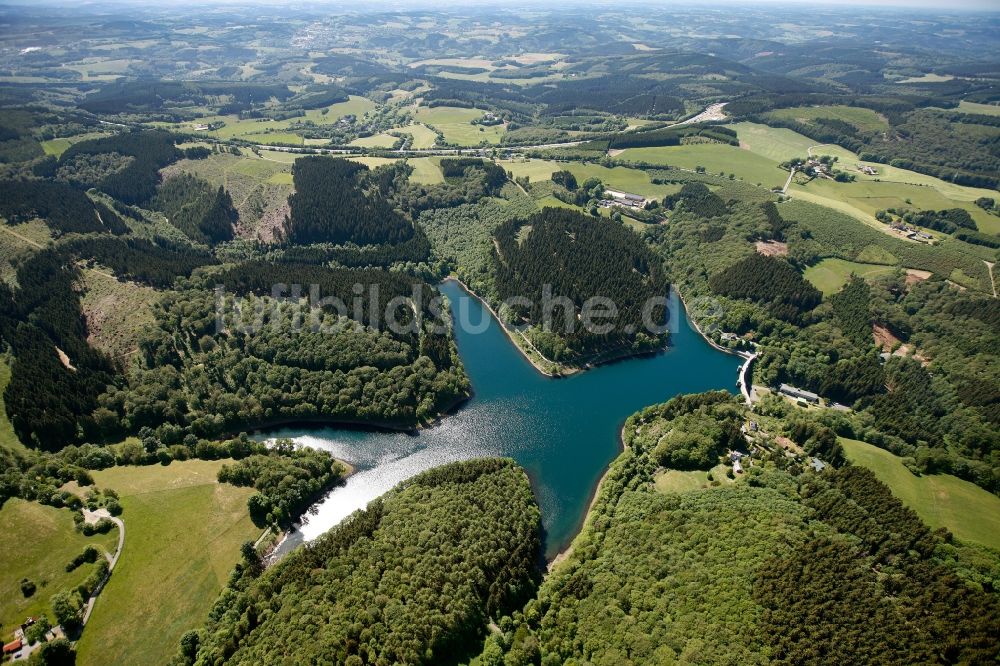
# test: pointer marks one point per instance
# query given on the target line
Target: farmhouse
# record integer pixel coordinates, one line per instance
(864, 168)
(624, 199)
(799, 394)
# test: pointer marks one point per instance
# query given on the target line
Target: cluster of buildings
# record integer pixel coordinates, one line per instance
(488, 119)
(864, 168)
(816, 168)
(626, 199)
(913, 233)
(19, 649)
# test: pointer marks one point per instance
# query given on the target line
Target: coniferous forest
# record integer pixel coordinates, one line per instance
(567, 255)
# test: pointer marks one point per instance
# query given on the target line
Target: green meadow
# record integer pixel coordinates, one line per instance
(620, 178)
(780, 144)
(677, 481)
(40, 541)
(266, 131)
(383, 140)
(456, 125)
(183, 531)
(941, 500)
(423, 136)
(716, 158)
(831, 274)
(983, 109)
(865, 120)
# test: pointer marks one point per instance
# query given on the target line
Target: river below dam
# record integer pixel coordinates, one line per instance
(564, 431)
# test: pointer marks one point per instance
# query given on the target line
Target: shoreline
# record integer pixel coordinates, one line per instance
(448, 409)
(597, 360)
(507, 331)
(748, 357)
(268, 557)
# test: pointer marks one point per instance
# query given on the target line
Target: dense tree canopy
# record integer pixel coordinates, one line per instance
(567, 255)
(770, 281)
(331, 206)
(412, 579)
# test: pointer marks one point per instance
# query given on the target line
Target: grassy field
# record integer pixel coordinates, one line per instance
(426, 170)
(271, 131)
(830, 275)
(629, 180)
(676, 481)
(423, 136)
(780, 144)
(984, 109)
(550, 201)
(56, 146)
(182, 538)
(116, 313)
(941, 500)
(865, 120)
(893, 190)
(890, 188)
(716, 158)
(928, 78)
(456, 125)
(383, 140)
(40, 541)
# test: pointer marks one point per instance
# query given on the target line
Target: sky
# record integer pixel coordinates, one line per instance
(943, 6)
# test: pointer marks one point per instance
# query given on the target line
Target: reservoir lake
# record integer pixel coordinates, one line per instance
(564, 432)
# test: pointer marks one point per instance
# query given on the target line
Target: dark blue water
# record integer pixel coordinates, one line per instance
(564, 432)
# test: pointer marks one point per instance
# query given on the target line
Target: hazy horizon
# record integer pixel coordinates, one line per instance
(389, 5)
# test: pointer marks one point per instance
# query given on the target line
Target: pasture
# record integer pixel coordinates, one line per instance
(621, 178)
(426, 170)
(456, 125)
(383, 140)
(677, 481)
(831, 274)
(183, 531)
(892, 189)
(40, 541)
(267, 131)
(927, 78)
(984, 109)
(941, 500)
(889, 188)
(423, 136)
(780, 144)
(865, 120)
(715, 158)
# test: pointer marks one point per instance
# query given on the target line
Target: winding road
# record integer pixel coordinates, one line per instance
(91, 517)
